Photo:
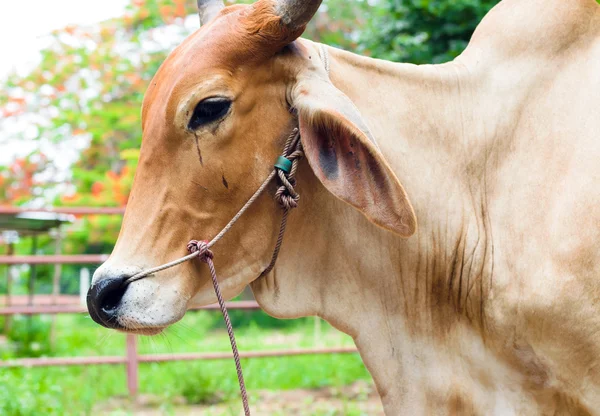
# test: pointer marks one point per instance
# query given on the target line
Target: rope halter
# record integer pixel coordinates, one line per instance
(285, 170)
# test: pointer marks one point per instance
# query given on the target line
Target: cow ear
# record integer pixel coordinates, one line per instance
(346, 159)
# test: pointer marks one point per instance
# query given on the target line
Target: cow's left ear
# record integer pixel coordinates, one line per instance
(344, 156)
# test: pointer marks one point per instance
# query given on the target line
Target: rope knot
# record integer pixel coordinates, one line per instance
(200, 247)
(286, 194)
(287, 197)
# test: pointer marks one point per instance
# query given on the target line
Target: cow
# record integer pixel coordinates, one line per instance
(449, 218)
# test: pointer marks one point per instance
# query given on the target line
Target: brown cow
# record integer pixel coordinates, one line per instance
(492, 306)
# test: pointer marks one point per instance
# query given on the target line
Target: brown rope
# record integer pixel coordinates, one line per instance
(288, 198)
(286, 195)
(204, 254)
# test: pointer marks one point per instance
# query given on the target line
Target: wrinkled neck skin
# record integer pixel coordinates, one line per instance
(396, 297)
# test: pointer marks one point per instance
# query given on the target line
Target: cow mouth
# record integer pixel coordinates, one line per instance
(150, 331)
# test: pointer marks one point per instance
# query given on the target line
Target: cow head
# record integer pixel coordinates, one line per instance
(214, 118)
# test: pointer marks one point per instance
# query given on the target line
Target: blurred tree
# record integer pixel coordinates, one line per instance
(339, 23)
(20, 181)
(422, 31)
(90, 83)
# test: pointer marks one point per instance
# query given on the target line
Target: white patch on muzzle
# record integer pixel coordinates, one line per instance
(151, 302)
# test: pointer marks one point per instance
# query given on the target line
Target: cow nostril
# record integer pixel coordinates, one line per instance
(103, 300)
(112, 299)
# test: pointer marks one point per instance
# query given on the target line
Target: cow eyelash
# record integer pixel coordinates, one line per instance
(208, 111)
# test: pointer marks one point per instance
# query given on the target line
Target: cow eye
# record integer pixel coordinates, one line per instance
(209, 110)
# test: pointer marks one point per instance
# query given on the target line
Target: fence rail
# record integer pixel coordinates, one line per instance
(55, 259)
(66, 210)
(153, 358)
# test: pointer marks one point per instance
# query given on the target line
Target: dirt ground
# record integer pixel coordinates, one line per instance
(357, 399)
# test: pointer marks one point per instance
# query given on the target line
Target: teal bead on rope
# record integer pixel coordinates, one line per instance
(284, 164)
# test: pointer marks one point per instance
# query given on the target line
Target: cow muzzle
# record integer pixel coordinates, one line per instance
(146, 306)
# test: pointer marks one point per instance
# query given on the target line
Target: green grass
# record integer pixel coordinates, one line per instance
(78, 390)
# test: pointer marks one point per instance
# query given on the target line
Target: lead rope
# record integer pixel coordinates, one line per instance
(285, 170)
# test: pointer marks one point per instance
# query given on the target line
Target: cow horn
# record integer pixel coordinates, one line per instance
(296, 13)
(208, 9)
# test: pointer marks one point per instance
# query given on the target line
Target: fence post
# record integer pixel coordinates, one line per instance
(9, 279)
(32, 269)
(84, 285)
(55, 283)
(132, 365)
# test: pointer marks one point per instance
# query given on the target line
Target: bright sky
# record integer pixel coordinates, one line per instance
(24, 22)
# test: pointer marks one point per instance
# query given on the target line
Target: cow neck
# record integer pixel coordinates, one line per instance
(392, 295)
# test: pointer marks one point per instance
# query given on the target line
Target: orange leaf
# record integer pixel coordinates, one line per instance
(97, 188)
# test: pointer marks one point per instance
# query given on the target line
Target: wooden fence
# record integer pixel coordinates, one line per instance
(132, 359)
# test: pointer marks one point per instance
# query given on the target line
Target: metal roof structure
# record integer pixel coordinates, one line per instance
(33, 222)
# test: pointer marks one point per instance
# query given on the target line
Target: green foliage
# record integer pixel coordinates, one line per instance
(422, 31)
(338, 23)
(200, 388)
(29, 337)
(31, 393)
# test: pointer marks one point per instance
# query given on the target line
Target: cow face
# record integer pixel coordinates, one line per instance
(214, 118)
